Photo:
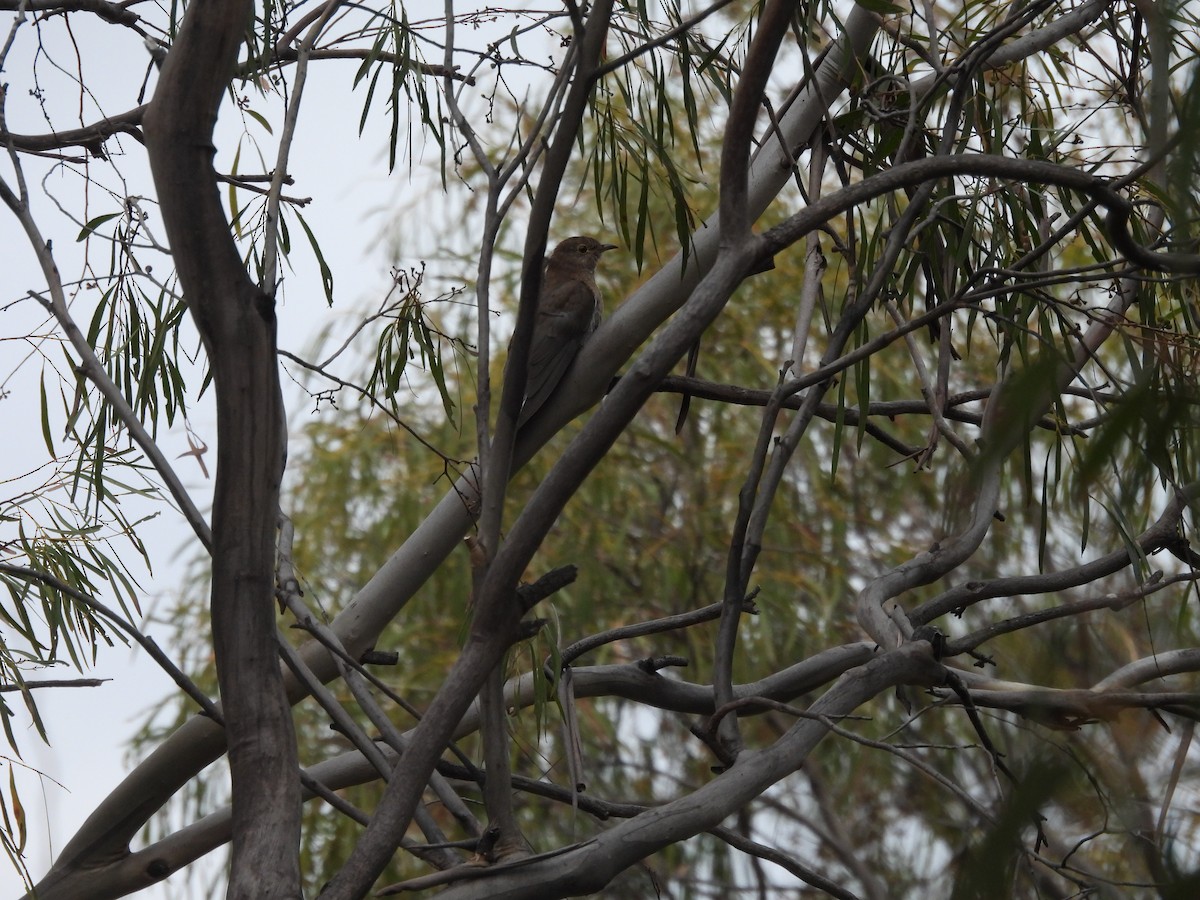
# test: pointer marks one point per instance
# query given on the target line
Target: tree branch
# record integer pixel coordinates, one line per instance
(236, 321)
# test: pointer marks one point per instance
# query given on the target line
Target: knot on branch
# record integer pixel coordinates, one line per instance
(652, 664)
(530, 595)
(380, 658)
(934, 636)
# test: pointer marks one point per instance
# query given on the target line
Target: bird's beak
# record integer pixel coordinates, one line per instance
(604, 248)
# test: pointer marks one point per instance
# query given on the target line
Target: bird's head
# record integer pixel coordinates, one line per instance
(579, 252)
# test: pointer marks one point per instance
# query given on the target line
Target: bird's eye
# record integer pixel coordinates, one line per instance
(582, 249)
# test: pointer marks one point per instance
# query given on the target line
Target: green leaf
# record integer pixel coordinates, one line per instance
(235, 216)
(326, 272)
(45, 409)
(93, 224)
(261, 120)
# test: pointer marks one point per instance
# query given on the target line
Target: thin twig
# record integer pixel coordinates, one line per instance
(147, 643)
(291, 117)
(90, 366)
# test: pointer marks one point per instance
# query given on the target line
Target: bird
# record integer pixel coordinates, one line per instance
(568, 311)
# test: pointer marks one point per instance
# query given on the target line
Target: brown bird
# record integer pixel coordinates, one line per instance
(568, 312)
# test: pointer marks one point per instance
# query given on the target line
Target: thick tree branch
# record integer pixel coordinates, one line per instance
(588, 867)
(90, 137)
(1163, 533)
(635, 682)
(117, 13)
(236, 321)
(735, 221)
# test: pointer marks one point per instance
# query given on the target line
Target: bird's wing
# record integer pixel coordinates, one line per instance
(567, 316)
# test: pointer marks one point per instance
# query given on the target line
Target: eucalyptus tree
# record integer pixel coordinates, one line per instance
(916, 514)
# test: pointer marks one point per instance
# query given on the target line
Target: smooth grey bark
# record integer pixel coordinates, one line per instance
(236, 321)
(589, 866)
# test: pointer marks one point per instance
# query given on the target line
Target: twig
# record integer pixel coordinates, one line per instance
(147, 643)
(90, 366)
(35, 683)
(271, 232)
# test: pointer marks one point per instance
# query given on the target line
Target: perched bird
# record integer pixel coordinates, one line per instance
(568, 312)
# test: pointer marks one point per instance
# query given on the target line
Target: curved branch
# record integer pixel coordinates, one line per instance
(735, 236)
(117, 13)
(1113, 602)
(1160, 665)
(292, 54)
(588, 867)
(236, 321)
(982, 165)
(496, 623)
(1164, 532)
(631, 681)
(1068, 709)
(91, 137)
